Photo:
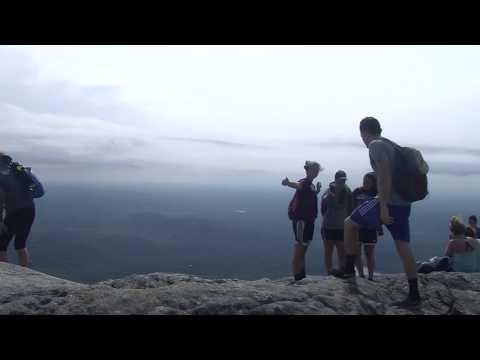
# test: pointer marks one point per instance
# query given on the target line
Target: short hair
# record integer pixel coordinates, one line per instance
(312, 164)
(457, 226)
(473, 217)
(371, 126)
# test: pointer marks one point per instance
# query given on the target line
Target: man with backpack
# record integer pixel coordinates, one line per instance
(401, 180)
(18, 188)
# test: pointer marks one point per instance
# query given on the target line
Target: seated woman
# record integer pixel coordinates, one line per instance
(460, 249)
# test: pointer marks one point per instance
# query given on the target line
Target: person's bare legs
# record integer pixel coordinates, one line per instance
(370, 257)
(328, 253)
(3, 256)
(408, 259)
(23, 257)
(350, 237)
(351, 241)
(340, 254)
(298, 263)
(359, 262)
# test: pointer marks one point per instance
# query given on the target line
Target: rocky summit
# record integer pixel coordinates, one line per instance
(28, 292)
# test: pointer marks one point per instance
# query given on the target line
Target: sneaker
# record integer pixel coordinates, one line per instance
(408, 302)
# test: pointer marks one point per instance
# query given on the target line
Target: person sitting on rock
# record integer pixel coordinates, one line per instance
(303, 210)
(19, 212)
(458, 243)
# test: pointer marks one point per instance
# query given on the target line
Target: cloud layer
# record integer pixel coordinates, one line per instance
(69, 132)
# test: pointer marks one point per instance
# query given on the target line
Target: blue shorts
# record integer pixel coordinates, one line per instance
(367, 215)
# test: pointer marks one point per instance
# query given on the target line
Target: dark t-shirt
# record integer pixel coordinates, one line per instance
(307, 201)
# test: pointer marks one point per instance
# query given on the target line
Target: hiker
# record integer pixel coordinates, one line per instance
(401, 180)
(367, 237)
(337, 204)
(17, 195)
(472, 230)
(303, 210)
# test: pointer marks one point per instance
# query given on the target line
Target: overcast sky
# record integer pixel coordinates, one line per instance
(235, 114)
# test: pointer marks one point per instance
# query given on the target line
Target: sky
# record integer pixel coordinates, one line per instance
(236, 115)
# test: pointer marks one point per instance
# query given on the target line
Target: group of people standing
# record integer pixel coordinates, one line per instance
(352, 220)
(337, 203)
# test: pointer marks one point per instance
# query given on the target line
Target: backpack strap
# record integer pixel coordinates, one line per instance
(390, 142)
(397, 148)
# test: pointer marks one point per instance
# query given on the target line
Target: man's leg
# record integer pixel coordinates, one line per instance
(408, 260)
(351, 246)
(400, 231)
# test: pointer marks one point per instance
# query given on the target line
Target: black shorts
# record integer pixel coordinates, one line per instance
(367, 236)
(308, 228)
(333, 234)
(18, 224)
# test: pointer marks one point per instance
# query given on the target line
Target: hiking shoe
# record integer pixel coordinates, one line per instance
(408, 302)
(299, 277)
(342, 275)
